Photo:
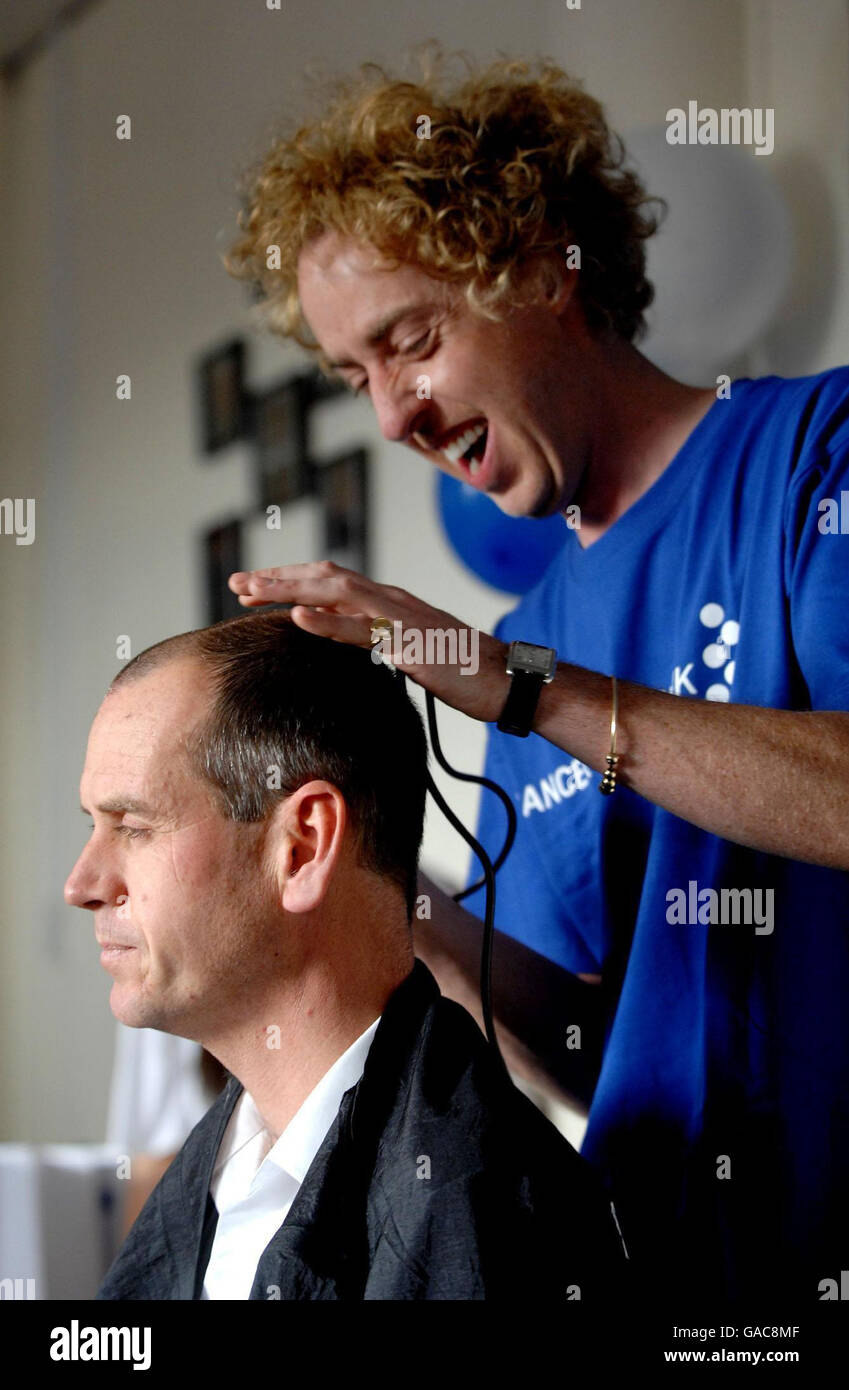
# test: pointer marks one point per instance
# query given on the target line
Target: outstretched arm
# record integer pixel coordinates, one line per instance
(774, 780)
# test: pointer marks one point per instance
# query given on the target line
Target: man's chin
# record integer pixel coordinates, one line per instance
(124, 1012)
(536, 508)
(135, 1012)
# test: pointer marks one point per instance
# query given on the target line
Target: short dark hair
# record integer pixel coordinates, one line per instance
(301, 707)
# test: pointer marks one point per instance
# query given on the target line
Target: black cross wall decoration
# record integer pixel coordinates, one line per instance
(276, 422)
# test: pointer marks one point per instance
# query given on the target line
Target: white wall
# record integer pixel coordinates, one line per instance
(110, 265)
(23, 572)
(798, 59)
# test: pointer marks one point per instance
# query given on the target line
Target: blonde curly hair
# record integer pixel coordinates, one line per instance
(517, 159)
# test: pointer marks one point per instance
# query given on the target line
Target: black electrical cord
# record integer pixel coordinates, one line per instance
(486, 863)
(482, 782)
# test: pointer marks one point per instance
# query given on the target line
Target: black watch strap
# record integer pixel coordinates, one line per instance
(517, 715)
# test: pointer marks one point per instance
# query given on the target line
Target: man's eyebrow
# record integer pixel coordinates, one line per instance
(383, 327)
(116, 804)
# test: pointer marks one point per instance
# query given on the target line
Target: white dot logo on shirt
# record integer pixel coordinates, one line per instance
(717, 657)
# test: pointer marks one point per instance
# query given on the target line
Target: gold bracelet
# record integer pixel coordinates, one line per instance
(607, 785)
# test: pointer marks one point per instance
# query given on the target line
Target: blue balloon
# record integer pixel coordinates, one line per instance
(510, 553)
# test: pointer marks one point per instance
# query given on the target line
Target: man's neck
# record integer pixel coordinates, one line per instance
(294, 1039)
(644, 418)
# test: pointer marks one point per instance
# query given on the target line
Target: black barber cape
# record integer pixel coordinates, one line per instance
(438, 1179)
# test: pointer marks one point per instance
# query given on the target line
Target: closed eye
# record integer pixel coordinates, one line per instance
(418, 345)
(419, 342)
(131, 832)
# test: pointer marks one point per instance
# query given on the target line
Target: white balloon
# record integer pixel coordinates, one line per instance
(720, 262)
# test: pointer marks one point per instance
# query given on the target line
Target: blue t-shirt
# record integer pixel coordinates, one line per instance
(721, 1113)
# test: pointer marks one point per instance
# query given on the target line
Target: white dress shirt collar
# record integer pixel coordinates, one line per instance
(255, 1179)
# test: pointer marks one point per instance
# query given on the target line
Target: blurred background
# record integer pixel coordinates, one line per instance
(110, 267)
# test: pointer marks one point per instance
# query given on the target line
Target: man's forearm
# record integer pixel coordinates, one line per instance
(775, 780)
(535, 1002)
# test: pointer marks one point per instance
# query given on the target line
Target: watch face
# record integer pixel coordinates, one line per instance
(527, 656)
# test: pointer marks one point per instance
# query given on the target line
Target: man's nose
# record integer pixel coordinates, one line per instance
(86, 884)
(396, 405)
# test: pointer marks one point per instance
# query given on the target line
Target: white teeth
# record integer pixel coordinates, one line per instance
(475, 466)
(457, 447)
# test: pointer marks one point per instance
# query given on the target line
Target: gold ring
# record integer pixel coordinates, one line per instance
(380, 628)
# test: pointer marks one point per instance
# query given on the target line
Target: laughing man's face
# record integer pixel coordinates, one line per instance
(507, 404)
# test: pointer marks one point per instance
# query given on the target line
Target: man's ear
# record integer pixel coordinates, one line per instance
(305, 839)
(554, 281)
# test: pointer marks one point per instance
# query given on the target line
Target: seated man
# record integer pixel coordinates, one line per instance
(257, 796)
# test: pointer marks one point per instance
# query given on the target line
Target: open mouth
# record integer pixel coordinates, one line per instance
(474, 455)
(469, 447)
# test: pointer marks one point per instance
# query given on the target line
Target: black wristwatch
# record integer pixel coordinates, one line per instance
(531, 668)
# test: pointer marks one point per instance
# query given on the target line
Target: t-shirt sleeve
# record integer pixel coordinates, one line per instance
(817, 571)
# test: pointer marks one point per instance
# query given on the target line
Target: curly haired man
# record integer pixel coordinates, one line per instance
(420, 237)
